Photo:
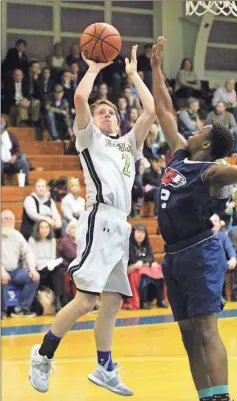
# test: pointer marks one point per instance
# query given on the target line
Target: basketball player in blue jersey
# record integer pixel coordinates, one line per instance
(194, 266)
(108, 162)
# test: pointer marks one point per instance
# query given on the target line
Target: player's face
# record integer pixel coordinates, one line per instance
(105, 119)
(199, 139)
(139, 236)
(44, 229)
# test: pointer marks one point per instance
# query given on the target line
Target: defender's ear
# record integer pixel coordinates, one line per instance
(206, 144)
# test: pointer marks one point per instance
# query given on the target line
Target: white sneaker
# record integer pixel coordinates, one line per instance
(110, 380)
(40, 367)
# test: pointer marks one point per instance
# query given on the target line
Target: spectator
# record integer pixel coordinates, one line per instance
(39, 206)
(187, 81)
(68, 251)
(152, 179)
(102, 92)
(16, 59)
(17, 97)
(228, 249)
(133, 116)
(58, 116)
(66, 82)
(34, 77)
(114, 75)
(76, 75)
(72, 204)
(188, 119)
(227, 95)
(123, 111)
(144, 65)
(11, 158)
(221, 115)
(75, 57)
(138, 190)
(18, 267)
(154, 143)
(43, 246)
(133, 101)
(46, 86)
(56, 61)
(143, 271)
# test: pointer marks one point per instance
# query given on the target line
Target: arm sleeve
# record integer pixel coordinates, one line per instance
(66, 208)
(84, 137)
(53, 248)
(30, 208)
(26, 253)
(137, 153)
(216, 97)
(184, 117)
(228, 247)
(181, 78)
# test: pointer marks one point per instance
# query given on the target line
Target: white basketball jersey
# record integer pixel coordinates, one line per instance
(108, 165)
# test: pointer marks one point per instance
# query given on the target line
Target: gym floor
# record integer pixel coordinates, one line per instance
(146, 343)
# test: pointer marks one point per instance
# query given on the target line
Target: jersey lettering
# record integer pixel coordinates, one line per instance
(127, 165)
(164, 195)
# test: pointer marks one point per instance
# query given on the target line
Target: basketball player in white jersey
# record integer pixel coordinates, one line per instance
(108, 162)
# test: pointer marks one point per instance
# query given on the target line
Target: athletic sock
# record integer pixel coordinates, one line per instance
(49, 345)
(206, 394)
(221, 393)
(105, 360)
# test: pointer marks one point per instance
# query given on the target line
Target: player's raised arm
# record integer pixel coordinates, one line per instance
(148, 116)
(83, 91)
(163, 102)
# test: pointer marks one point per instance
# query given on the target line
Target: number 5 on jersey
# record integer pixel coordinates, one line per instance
(127, 164)
(164, 196)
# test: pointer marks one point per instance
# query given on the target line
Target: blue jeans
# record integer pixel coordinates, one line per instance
(21, 278)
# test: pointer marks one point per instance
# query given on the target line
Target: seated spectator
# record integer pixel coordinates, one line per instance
(58, 188)
(39, 206)
(66, 82)
(76, 57)
(143, 271)
(17, 99)
(133, 116)
(46, 86)
(18, 268)
(155, 142)
(133, 101)
(152, 179)
(227, 95)
(72, 204)
(16, 59)
(144, 65)
(114, 75)
(221, 115)
(123, 111)
(76, 75)
(56, 62)
(138, 190)
(57, 118)
(102, 92)
(228, 249)
(11, 157)
(187, 81)
(68, 251)
(188, 119)
(43, 246)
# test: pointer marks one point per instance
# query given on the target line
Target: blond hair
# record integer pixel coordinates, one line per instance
(104, 101)
(71, 181)
(39, 180)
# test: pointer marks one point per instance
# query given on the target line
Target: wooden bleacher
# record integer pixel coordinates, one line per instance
(49, 162)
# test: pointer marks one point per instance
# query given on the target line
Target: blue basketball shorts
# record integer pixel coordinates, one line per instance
(194, 273)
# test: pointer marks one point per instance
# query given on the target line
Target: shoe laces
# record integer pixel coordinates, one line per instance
(44, 367)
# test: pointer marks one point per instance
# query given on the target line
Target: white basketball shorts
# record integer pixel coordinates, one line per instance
(103, 250)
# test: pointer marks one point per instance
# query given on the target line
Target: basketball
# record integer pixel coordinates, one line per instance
(100, 42)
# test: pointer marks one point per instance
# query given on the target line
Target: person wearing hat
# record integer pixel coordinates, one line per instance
(188, 119)
(144, 274)
(57, 117)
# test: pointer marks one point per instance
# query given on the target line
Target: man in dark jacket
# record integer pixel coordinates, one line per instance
(16, 59)
(11, 161)
(152, 179)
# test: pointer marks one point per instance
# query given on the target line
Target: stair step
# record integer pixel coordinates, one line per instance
(44, 148)
(52, 162)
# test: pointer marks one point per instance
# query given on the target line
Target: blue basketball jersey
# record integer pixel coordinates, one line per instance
(185, 204)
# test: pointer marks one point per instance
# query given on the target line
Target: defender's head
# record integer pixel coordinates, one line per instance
(214, 141)
(105, 116)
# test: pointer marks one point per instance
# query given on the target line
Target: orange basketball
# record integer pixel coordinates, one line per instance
(100, 42)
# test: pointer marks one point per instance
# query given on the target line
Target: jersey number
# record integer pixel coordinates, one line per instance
(127, 165)
(165, 194)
